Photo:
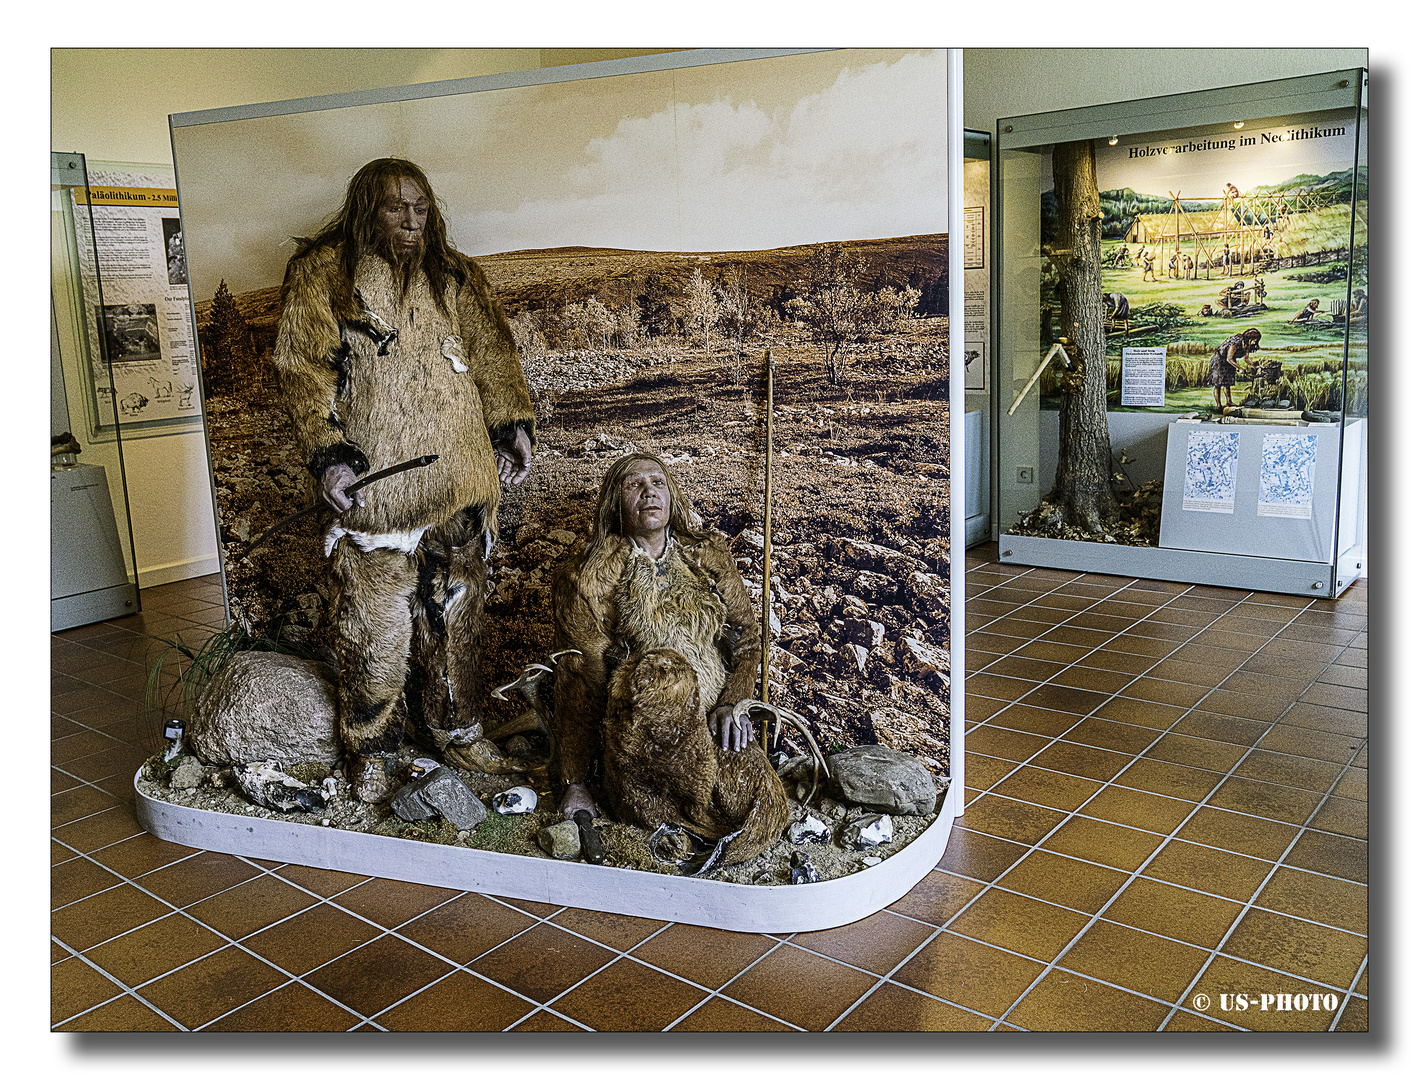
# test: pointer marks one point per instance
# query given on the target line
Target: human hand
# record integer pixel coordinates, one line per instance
(333, 482)
(577, 798)
(731, 734)
(514, 458)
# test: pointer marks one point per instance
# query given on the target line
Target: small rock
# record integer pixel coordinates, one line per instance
(439, 793)
(518, 746)
(809, 831)
(188, 775)
(801, 871)
(871, 860)
(266, 785)
(518, 800)
(561, 841)
(867, 832)
(884, 779)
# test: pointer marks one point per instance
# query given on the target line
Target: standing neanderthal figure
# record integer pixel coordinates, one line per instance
(668, 643)
(391, 346)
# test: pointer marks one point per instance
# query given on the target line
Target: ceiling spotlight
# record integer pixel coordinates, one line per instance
(1239, 124)
(1113, 141)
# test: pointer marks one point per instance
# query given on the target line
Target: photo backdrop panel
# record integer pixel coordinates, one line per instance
(654, 238)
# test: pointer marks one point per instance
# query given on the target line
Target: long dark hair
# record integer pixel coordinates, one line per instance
(356, 230)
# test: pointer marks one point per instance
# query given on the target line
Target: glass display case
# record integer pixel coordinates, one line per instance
(1181, 336)
(93, 574)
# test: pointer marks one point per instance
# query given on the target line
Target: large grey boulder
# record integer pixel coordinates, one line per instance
(884, 779)
(265, 706)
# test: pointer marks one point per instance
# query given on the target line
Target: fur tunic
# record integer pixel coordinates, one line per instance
(387, 380)
(719, 635)
(663, 642)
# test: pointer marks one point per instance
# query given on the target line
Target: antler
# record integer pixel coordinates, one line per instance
(782, 716)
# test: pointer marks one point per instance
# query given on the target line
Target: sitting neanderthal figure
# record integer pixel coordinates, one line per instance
(392, 346)
(667, 645)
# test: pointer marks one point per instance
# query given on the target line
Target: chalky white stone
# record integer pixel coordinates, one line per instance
(809, 831)
(518, 800)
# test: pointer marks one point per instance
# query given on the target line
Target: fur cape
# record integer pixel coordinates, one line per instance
(586, 603)
(378, 380)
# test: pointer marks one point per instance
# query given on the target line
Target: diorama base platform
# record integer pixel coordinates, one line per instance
(771, 909)
(1174, 564)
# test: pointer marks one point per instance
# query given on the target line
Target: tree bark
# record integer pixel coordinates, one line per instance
(1083, 486)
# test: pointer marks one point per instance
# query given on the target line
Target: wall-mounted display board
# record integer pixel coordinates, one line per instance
(733, 260)
(1202, 256)
(150, 366)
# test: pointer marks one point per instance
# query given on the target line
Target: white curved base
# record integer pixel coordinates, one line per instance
(772, 909)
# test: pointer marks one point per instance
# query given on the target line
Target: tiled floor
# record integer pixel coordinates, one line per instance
(1166, 799)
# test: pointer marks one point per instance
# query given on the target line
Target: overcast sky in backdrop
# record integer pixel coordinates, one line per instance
(743, 156)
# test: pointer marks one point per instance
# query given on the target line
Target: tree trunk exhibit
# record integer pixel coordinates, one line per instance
(1082, 481)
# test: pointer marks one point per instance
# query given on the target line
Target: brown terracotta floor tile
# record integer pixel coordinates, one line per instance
(543, 962)
(1157, 642)
(466, 927)
(1018, 923)
(1089, 762)
(1242, 833)
(79, 802)
(392, 903)
(1335, 675)
(1056, 651)
(95, 919)
(1000, 742)
(969, 973)
(979, 709)
(1222, 873)
(978, 856)
(628, 996)
(1293, 805)
(1129, 739)
(1317, 897)
(721, 1014)
(546, 1021)
(1354, 783)
(1056, 790)
(983, 772)
(1285, 667)
(321, 882)
(1174, 912)
(1325, 718)
(1196, 753)
(1185, 671)
(800, 988)
(75, 879)
(1124, 663)
(312, 938)
(935, 899)
(1103, 842)
(1005, 689)
(878, 943)
(1147, 688)
(1289, 770)
(1165, 778)
(251, 906)
(76, 987)
(1348, 817)
(1010, 820)
(1355, 1016)
(1065, 699)
(1028, 718)
(155, 949)
(703, 955)
(1094, 679)
(194, 879)
(1220, 661)
(377, 975)
(1312, 952)
(213, 986)
(121, 1014)
(1058, 879)
(1024, 668)
(619, 932)
(292, 1007)
(1138, 809)
(1142, 962)
(1065, 1002)
(1188, 1021)
(1326, 853)
(1289, 648)
(1141, 713)
(1264, 685)
(895, 1008)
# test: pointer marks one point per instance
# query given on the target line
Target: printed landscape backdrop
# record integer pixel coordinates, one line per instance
(1261, 212)
(652, 236)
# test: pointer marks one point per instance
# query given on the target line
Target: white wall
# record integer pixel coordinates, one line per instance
(113, 105)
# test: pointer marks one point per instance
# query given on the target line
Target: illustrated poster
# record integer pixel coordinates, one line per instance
(1211, 483)
(147, 314)
(1288, 472)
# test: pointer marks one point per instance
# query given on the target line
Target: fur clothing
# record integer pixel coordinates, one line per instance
(372, 382)
(663, 642)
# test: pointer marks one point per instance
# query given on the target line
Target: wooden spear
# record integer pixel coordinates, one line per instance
(768, 542)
